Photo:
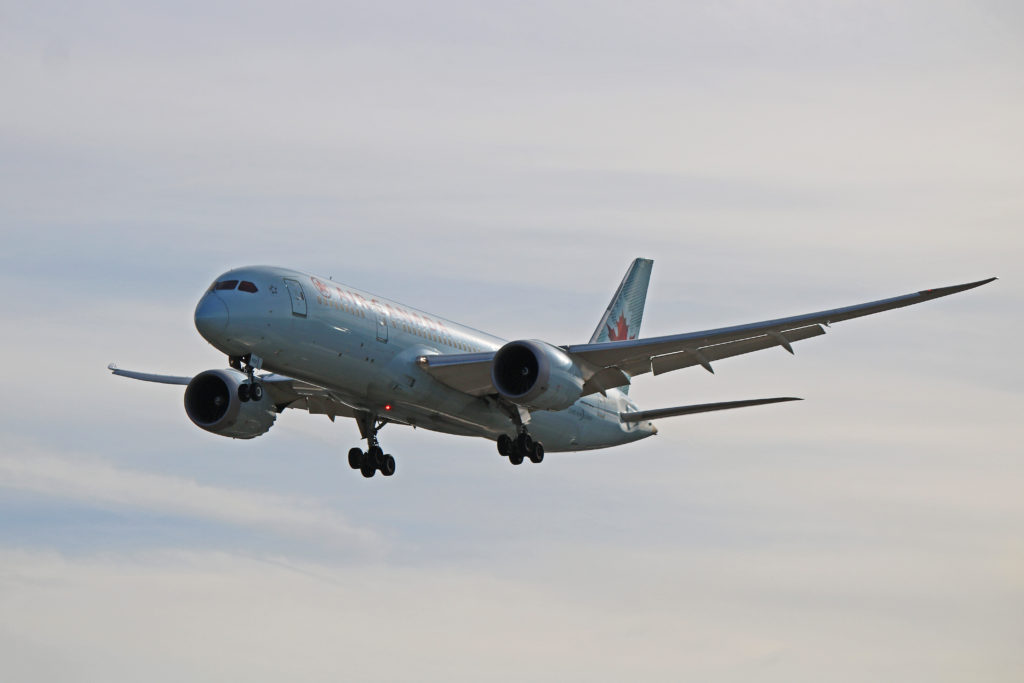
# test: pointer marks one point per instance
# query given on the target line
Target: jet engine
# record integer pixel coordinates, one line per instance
(213, 402)
(536, 375)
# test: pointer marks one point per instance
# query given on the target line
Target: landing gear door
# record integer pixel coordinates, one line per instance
(297, 296)
(382, 323)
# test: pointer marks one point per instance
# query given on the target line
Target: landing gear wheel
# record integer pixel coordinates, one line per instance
(505, 444)
(537, 456)
(243, 393)
(516, 458)
(256, 392)
(374, 459)
(525, 443)
(355, 458)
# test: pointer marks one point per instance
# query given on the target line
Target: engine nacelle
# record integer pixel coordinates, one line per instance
(536, 375)
(212, 403)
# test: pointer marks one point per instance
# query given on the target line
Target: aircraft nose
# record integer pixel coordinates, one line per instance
(211, 315)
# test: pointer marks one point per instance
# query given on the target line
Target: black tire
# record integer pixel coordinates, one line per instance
(368, 470)
(525, 443)
(516, 458)
(388, 468)
(370, 458)
(504, 444)
(376, 456)
(256, 392)
(355, 458)
(243, 393)
(537, 456)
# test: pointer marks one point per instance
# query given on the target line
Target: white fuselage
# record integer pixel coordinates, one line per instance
(363, 348)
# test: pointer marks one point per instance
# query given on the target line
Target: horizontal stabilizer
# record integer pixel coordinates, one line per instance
(644, 415)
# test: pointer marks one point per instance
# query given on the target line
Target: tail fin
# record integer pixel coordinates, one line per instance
(624, 314)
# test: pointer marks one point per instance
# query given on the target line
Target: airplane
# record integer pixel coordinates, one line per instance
(333, 350)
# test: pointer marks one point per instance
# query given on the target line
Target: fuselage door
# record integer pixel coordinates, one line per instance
(297, 296)
(382, 323)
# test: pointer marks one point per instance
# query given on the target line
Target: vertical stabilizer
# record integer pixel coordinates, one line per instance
(624, 314)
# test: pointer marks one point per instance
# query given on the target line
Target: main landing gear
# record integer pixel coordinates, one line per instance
(253, 390)
(523, 446)
(374, 459)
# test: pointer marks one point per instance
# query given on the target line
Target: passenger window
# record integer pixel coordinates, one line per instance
(247, 286)
(226, 284)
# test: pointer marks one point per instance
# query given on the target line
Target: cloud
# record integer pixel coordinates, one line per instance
(501, 167)
(86, 479)
(572, 614)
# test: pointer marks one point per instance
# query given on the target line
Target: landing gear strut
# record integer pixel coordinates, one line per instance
(253, 391)
(374, 459)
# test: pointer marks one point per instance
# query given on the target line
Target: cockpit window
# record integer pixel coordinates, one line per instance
(226, 284)
(247, 286)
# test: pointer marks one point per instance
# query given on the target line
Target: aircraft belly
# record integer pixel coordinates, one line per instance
(346, 357)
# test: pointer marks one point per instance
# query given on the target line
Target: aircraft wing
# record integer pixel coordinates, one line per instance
(663, 354)
(612, 364)
(284, 392)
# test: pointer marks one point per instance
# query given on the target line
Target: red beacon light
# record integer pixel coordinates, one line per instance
(387, 406)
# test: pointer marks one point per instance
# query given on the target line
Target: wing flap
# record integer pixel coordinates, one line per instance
(323, 406)
(316, 400)
(605, 379)
(469, 373)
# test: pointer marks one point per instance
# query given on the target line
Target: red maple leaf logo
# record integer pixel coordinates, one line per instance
(621, 331)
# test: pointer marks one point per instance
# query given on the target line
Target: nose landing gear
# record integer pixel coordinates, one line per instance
(253, 391)
(250, 392)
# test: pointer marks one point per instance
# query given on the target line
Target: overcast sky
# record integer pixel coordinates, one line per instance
(500, 165)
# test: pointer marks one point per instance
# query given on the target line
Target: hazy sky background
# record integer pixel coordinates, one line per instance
(501, 165)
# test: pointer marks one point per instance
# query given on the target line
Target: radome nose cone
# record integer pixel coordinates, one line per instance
(211, 315)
